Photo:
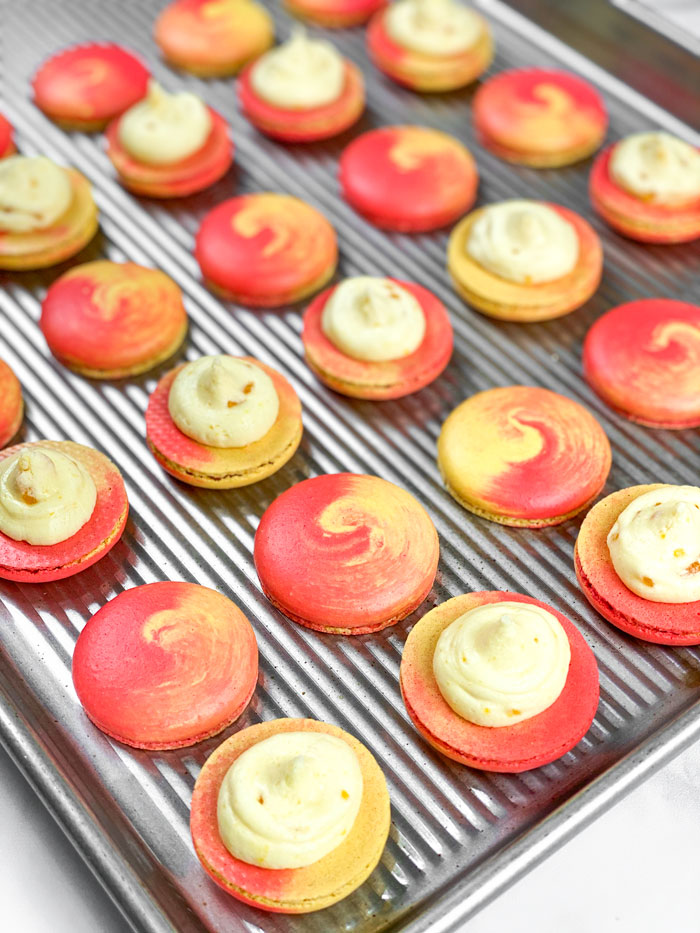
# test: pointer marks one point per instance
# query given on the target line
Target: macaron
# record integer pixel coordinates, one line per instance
(526, 744)
(266, 249)
(643, 359)
(408, 178)
(386, 378)
(11, 404)
(165, 665)
(213, 38)
(223, 467)
(346, 554)
(539, 117)
(85, 86)
(525, 300)
(7, 142)
(334, 14)
(523, 456)
(291, 890)
(109, 320)
(41, 563)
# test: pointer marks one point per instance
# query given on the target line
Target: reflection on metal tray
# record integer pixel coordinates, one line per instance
(458, 835)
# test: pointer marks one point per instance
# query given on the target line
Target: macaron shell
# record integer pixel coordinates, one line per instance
(109, 320)
(513, 301)
(510, 749)
(291, 890)
(661, 623)
(223, 467)
(334, 14)
(179, 179)
(165, 665)
(87, 85)
(11, 404)
(29, 563)
(635, 217)
(7, 144)
(408, 178)
(63, 239)
(346, 553)
(213, 38)
(266, 249)
(643, 359)
(380, 380)
(523, 455)
(308, 124)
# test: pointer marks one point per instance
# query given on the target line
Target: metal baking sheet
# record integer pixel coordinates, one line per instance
(458, 836)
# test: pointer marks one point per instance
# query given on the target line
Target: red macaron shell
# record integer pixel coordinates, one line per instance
(30, 563)
(266, 249)
(643, 359)
(346, 553)
(88, 85)
(11, 404)
(105, 318)
(408, 178)
(661, 623)
(639, 218)
(380, 380)
(310, 123)
(511, 749)
(335, 13)
(7, 143)
(165, 665)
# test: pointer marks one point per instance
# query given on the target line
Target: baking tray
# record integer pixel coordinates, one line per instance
(458, 836)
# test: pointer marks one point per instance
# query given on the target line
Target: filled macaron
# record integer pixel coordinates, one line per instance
(647, 187)
(525, 260)
(63, 506)
(290, 815)
(346, 554)
(637, 560)
(302, 90)
(7, 138)
(523, 456)
(11, 404)
(169, 145)
(47, 212)
(334, 14)
(499, 681)
(165, 665)
(377, 338)
(223, 422)
(266, 249)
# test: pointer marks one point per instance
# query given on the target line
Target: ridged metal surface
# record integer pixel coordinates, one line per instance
(457, 834)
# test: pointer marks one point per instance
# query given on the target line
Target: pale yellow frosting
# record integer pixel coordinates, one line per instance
(289, 800)
(299, 74)
(657, 167)
(433, 27)
(502, 662)
(523, 241)
(373, 319)
(34, 193)
(655, 545)
(223, 401)
(165, 128)
(45, 496)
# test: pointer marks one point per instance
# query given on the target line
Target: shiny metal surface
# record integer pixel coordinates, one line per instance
(458, 836)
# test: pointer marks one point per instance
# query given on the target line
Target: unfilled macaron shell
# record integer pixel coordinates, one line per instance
(11, 404)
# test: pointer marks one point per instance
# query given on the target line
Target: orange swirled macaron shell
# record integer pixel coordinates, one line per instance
(85, 86)
(539, 117)
(643, 359)
(510, 749)
(67, 236)
(408, 178)
(11, 404)
(523, 456)
(223, 467)
(7, 141)
(387, 379)
(213, 38)
(266, 249)
(660, 623)
(526, 302)
(291, 890)
(34, 563)
(346, 553)
(165, 665)
(109, 320)
(334, 14)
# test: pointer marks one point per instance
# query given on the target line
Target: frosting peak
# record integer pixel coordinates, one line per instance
(34, 193)
(433, 27)
(165, 128)
(299, 74)
(657, 167)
